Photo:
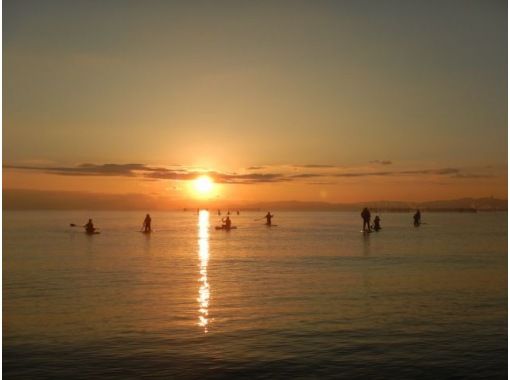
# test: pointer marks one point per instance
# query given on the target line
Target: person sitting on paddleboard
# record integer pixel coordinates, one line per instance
(227, 223)
(147, 223)
(377, 223)
(365, 214)
(89, 227)
(417, 218)
(268, 217)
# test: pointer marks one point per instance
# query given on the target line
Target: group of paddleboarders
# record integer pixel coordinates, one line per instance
(146, 225)
(366, 216)
(367, 227)
(91, 230)
(219, 212)
(227, 222)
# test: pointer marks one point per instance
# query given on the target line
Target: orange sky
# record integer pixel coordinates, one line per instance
(332, 101)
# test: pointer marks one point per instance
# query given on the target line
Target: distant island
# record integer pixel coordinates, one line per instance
(21, 199)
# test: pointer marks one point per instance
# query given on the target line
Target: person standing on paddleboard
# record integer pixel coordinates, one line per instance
(417, 218)
(365, 215)
(268, 217)
(147, 224)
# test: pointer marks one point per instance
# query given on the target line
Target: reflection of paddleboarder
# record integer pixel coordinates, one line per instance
(417, 218)
(268, 217)
(365, 214)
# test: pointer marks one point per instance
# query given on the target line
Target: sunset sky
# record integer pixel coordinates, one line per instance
(338, 101)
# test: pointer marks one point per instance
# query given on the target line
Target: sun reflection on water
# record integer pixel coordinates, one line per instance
(203, 254)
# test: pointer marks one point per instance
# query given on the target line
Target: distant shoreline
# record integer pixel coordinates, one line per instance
(224, 212)
(25, 199)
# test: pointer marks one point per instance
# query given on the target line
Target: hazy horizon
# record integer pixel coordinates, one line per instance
(19, 199)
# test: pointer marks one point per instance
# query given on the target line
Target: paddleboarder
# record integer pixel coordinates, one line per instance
(268, 217)
(377, 223)
(89, 227)
(365, 215)
(147, 224)
(227, 223)
(417, 218)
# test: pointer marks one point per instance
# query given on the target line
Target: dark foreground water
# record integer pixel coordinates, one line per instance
(311, 298)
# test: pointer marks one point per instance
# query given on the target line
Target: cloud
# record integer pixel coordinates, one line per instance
(255, 168)
(314, 166)
(125, 170)
(216, 176)
(363, 174)
(474, 176)
(308, 175)
(145, 172)
(248, 178)
(444, 171)
(381, 162)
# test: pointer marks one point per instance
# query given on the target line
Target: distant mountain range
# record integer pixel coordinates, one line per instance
(21, 199)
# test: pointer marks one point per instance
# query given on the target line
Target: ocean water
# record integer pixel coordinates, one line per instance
(311, 298)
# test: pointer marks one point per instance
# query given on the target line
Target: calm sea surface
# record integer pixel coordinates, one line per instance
(311, 298)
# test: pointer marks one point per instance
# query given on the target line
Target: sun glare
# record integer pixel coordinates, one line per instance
(203, 185)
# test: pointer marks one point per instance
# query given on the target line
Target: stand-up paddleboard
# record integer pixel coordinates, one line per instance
(146, 232)
(366, 232)
(271, 225)
(225, 228)
(92, 233)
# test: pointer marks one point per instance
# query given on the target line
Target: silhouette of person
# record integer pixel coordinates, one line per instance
(365, 214)
(417, 218)
(237, 212)
(268, 217)
(227, 223)
(377, 223)
(219, 212)
(147, 223)
(89, 227)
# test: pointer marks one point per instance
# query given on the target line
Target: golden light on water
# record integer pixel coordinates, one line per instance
(203, 254)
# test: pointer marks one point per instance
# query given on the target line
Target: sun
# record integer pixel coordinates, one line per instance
(203, 185)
